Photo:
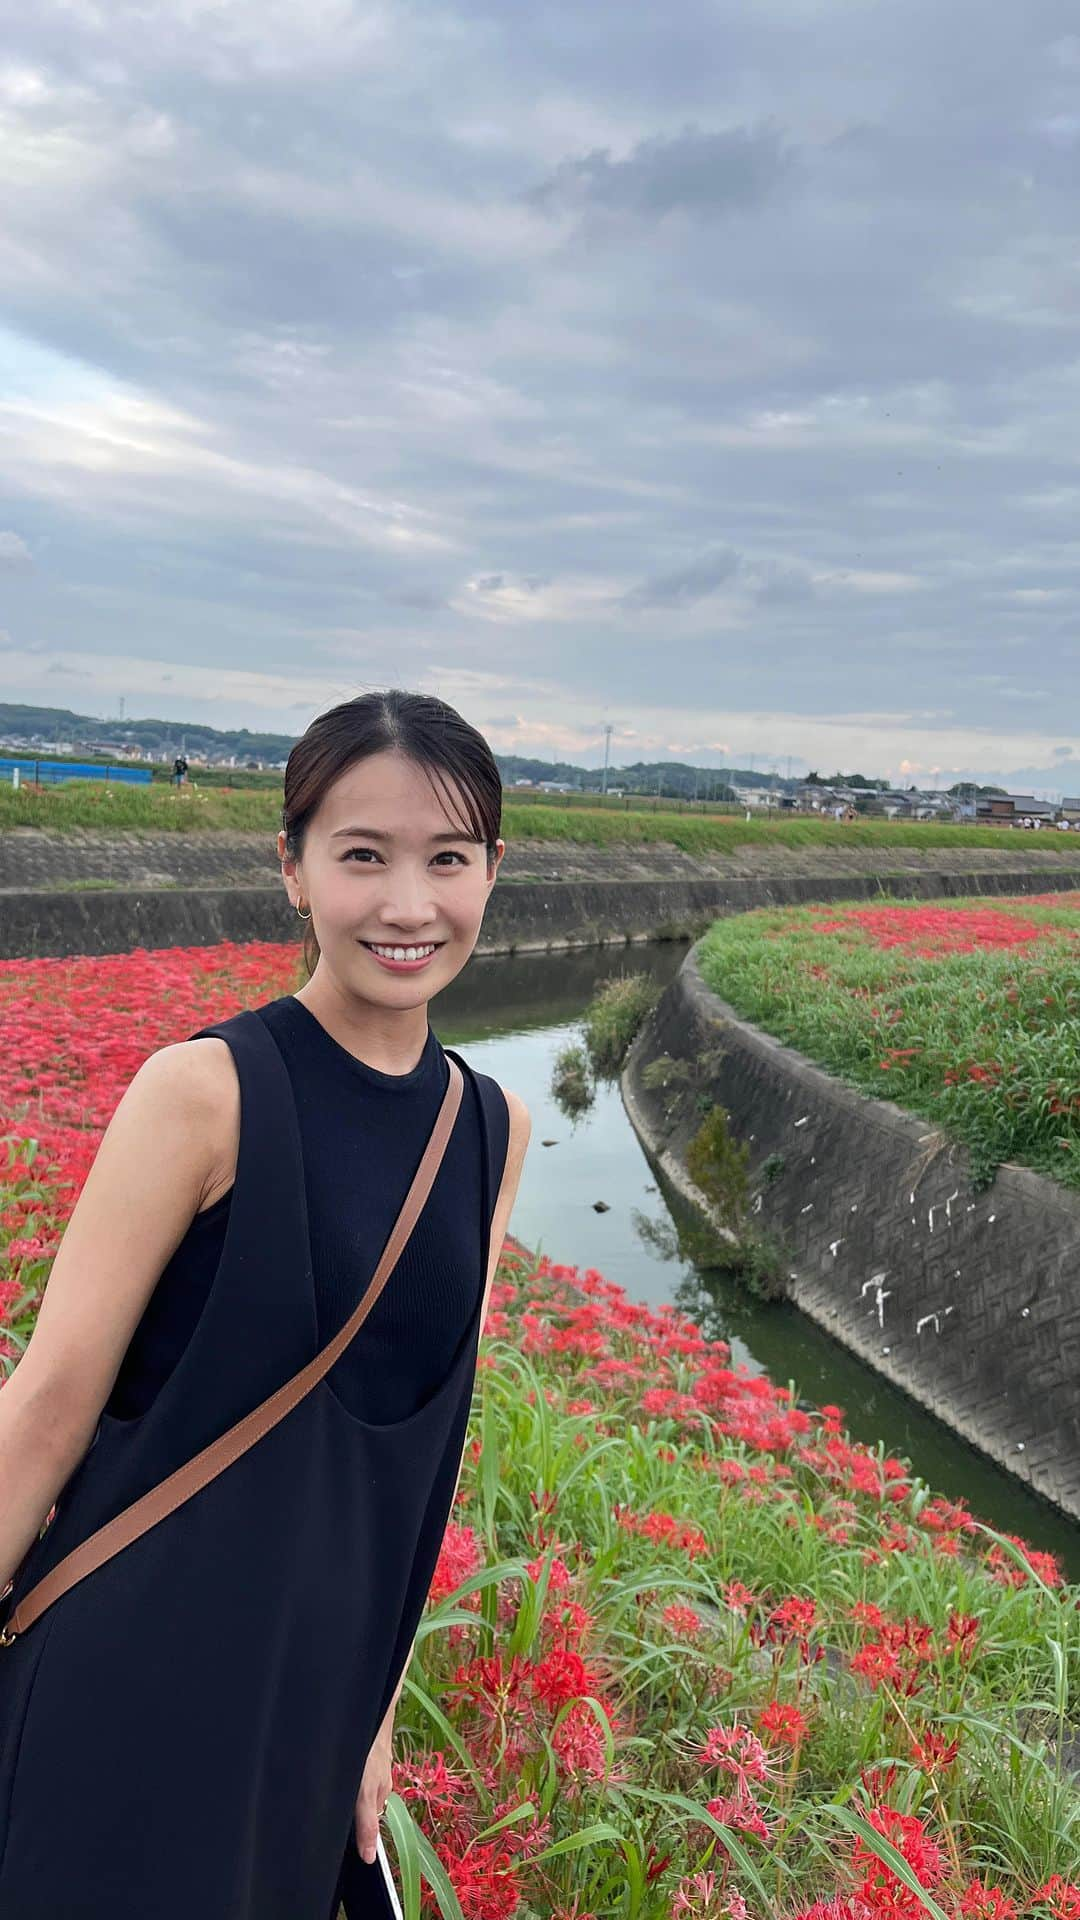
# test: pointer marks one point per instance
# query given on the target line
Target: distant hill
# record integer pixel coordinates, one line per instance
(51, 729)
(79, 732)
(25, 728)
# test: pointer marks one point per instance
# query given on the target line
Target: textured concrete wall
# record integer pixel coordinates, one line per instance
(522, 915)
(969, 1301)
(41, 859)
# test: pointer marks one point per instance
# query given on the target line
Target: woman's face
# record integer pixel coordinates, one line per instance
(382, 864)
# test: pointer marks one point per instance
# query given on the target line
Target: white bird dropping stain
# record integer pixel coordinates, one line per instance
(881, 1294)
(937, 1318)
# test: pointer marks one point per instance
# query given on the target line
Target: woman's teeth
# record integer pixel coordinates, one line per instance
(400, 953)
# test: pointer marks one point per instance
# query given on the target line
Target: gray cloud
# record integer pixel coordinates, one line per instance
(684, 586)
(780, 586)
(303, 396)
(693, 172)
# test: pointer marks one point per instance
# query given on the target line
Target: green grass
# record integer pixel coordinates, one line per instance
(985, 1043)
(705, 1581)
(200, 808)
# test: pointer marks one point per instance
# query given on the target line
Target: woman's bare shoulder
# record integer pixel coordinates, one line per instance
(199, 1078)
(201, 1071)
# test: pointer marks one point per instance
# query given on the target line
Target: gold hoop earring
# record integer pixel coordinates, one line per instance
(303, 916)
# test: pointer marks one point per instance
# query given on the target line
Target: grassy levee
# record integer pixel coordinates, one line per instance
(967, 1012)
(157, 808)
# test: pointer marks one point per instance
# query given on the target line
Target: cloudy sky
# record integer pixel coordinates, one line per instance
(711, 370)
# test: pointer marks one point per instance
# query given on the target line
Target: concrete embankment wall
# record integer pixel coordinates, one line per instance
(966, 1300)
(93, 892)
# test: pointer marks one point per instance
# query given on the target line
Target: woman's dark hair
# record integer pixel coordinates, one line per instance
(426, 729)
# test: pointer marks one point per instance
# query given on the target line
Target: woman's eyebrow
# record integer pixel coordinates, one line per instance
(376, 833)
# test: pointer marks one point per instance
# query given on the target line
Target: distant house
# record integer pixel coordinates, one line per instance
(1070, 810)
(1026, 807)
(1015, 809)
(995, 809)
(896, 804)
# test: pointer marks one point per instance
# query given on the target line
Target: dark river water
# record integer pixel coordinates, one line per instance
(511, 1015)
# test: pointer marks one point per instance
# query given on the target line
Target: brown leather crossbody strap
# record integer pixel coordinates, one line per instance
(187, 1480)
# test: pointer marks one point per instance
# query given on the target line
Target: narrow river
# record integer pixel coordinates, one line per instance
(511, 1015)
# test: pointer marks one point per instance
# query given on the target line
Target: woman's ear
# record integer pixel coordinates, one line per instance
(289, 873)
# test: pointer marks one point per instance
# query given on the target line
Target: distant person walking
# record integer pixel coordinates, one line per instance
(179, 770)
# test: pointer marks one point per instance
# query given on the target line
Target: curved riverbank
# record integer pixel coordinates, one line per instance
(962, 1298)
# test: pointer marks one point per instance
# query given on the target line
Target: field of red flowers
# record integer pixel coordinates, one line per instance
(690, 1652)
(966, 1012)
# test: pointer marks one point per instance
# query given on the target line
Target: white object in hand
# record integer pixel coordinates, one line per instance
(391, 1890)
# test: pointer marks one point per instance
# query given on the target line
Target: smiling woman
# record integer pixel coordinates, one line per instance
(202, 1722)
(390, 830)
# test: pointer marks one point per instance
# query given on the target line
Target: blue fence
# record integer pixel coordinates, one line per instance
(47, 771)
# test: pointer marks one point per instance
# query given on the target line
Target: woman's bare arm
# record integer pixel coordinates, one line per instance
(159, 1157)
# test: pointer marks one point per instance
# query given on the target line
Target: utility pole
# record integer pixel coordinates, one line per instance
(607, 748)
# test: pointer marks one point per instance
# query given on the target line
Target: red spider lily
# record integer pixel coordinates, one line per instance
(563, 1675)
(655, 1864)
(568, 1623)
(440, 1797)
(486, 1878)
(789, 1625)
(459, 1558)
(980, 1902)
(683, 1622)
(741, 1811)
(897, 1656)
(932, 1752)
(559, 1575)
(663, 1528)
(923, 1855)
(878, 1782)
(840, 1907)
(934, 931)
(699, 1894)
(962, 1634)
(942, 1516)
(578, 1742)
(1060, 1896)
(898, 1057)
(867, 1614)
(877, 1663)
(737, 1751)
(739, 1597)
(499, 1700)
(782, 1723)
(1005, 1570)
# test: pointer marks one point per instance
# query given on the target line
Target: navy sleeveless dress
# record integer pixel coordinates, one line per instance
(184, 1732)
